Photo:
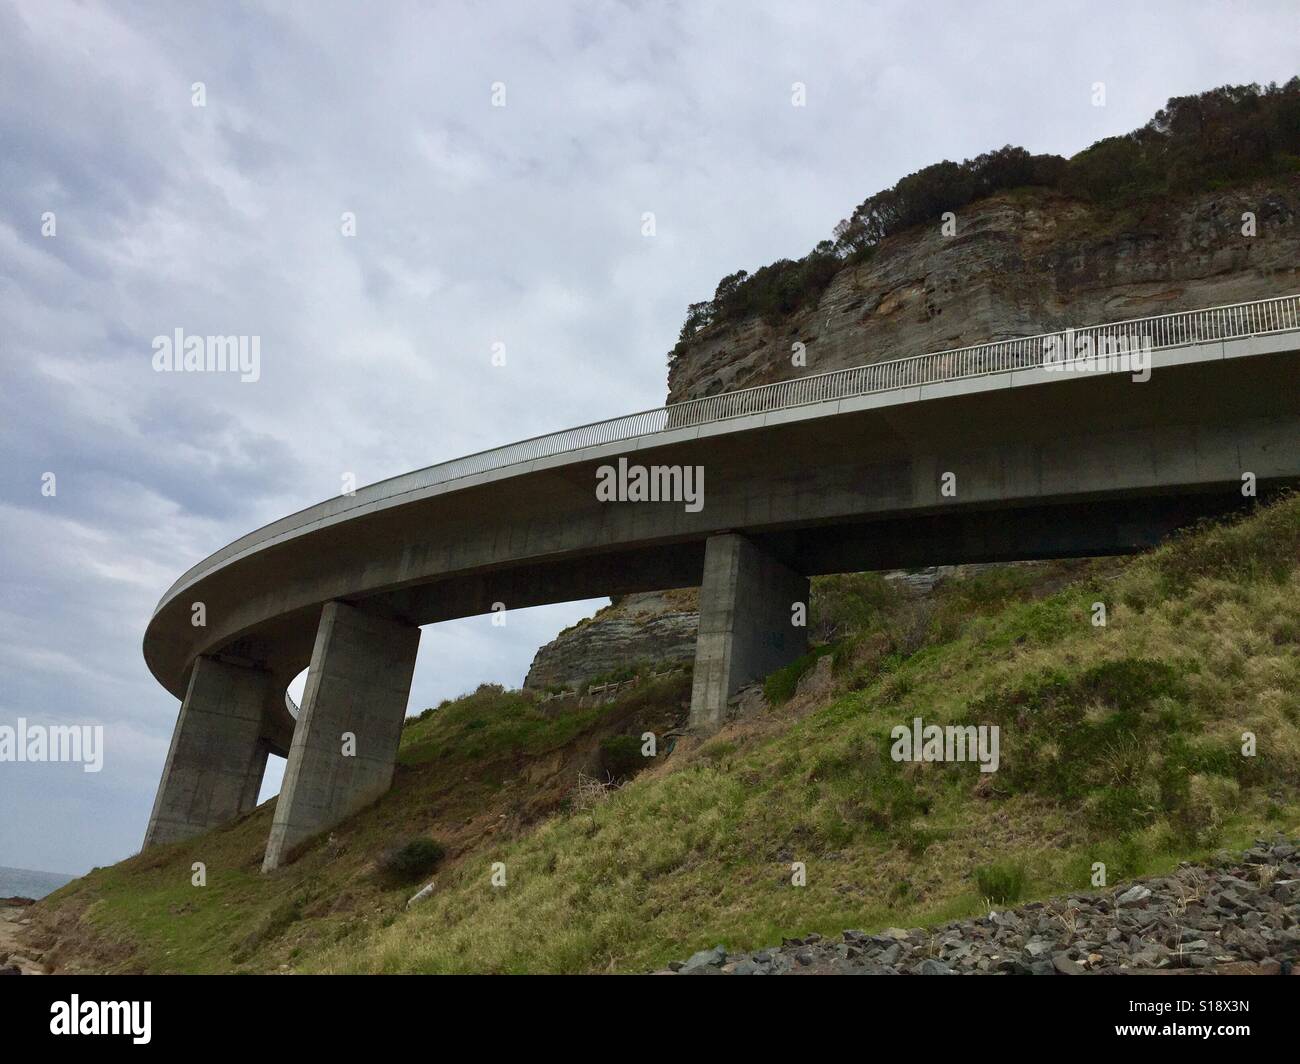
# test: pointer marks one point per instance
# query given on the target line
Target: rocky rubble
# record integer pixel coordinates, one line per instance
(1240, 913)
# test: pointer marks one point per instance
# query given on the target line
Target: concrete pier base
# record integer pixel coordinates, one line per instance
(746, 608)
(215, 764)
(345, 742)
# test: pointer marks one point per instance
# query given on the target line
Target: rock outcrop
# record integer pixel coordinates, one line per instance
(654, 629)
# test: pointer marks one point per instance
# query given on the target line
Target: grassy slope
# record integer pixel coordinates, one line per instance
(1119, 743)
(479, 769)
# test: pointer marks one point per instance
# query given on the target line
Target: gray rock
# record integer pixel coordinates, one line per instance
(890, 955)
(657, 627)
(1066, 965)
(1135, 895)
(706, 958)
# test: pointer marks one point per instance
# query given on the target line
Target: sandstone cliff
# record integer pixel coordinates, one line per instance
(652, 629)
(1021, 263)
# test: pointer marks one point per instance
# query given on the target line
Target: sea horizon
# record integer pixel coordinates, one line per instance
(30, 882)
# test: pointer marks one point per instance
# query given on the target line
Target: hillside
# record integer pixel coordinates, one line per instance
(1120, 744)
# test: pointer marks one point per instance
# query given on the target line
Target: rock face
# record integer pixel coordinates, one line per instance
(1024, 262)
(1236, 916)
(17, 954)
(651, 629)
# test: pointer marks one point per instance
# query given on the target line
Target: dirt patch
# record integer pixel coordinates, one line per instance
(15, 950)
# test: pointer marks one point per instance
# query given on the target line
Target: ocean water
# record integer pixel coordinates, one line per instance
(25, 883)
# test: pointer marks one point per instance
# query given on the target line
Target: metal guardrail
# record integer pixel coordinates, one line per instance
(1233, 321)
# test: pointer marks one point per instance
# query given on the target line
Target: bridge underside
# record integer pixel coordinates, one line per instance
(1090, 467)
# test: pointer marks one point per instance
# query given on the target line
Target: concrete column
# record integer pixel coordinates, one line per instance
(746, 601)
(216, 758)
(357, 685)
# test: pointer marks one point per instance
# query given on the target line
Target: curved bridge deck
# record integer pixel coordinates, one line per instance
(1009, 450)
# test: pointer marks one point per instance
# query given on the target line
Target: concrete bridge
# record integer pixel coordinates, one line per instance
(1039, 447)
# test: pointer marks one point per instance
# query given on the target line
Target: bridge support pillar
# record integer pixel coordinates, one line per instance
(747, 603)
(215, 764)
(345, 742)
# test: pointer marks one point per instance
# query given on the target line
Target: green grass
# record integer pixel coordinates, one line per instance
(1120, 746)
(1002, 883)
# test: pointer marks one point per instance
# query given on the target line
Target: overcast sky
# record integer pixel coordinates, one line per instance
(475, 225)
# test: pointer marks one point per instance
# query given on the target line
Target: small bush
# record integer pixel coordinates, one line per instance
(849, 602)
(1210, 800)
(413, 861)
(780, 686)
(620, 756)
(1122, 807)
(1002, 883)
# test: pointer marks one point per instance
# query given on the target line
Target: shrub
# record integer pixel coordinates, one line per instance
(780, 686)
(1210, 800)
(1002, 883)
(849, 602)
(412, 861)
(621, 757)
(1072, 733)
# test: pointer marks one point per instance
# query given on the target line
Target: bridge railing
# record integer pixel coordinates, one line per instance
(1158, 332)
(999, 356)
